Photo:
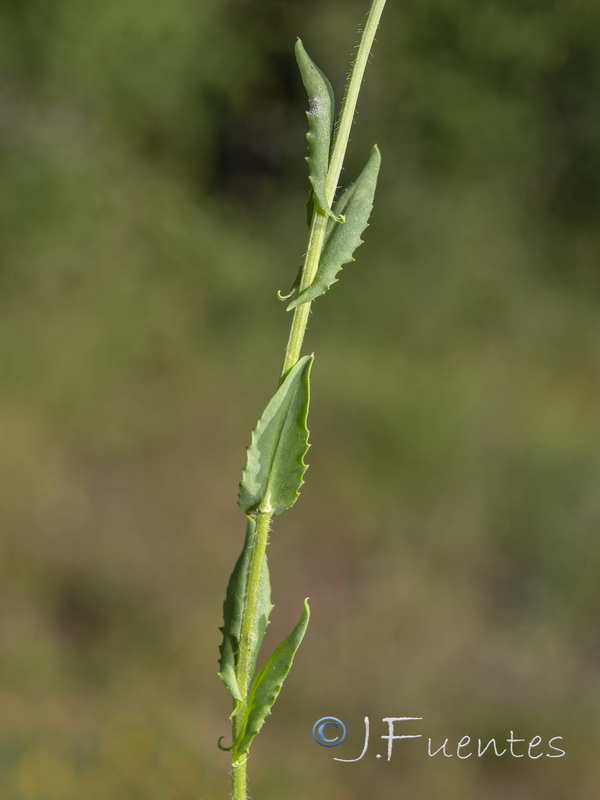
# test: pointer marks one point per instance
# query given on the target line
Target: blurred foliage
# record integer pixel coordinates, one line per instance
(151, 204)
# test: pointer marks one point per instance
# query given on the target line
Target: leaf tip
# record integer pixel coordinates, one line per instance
(220, 746)
(304, 617)
(281, 296)
(376, 153)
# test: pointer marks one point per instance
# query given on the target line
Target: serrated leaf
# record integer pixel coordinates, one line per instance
(233, 609)
(320, 115)
(275, 465)
(268, 682)
(356, 203)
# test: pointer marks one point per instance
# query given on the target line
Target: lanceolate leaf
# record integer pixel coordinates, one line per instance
(275, 466)
(268, 682)
(320, 114)
(233, 608)
(356, 203)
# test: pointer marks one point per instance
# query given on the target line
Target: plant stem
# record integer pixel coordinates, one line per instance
(351, 93)
(316, 238)
(319, 219)
(259, 546)
(239, 780)
(311, 264)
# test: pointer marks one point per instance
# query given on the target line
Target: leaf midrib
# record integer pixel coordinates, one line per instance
(276, 453)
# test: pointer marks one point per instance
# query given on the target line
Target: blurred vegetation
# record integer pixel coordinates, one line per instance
(151, 204)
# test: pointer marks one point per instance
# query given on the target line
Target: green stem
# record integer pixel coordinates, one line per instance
(353, 85)
(311, 264)
(249, 621)
(340, 145)
(316, 238)
(257, 559)
(239, 777)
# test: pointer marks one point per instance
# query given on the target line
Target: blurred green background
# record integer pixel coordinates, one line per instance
(151, 204)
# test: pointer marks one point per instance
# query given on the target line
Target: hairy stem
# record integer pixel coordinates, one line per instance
(259, 546)
(353, 85)
(239, 778)
(319, 219)
(311, 264)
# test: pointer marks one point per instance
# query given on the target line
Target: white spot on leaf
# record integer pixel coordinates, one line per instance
(315, 106)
